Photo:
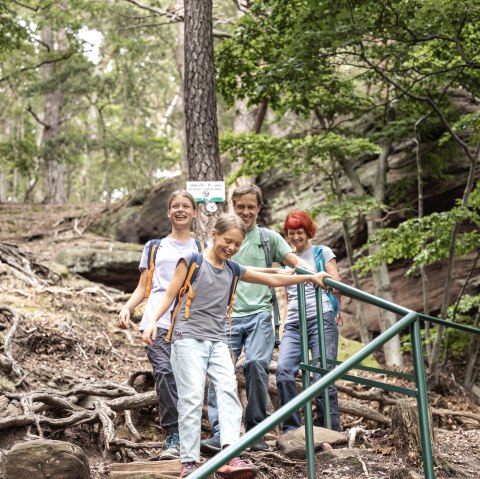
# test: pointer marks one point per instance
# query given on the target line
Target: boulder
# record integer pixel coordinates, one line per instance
(293, 443)
(108, 262)
(42, 459)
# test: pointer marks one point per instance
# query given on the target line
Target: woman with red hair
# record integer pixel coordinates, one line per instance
(300, 229)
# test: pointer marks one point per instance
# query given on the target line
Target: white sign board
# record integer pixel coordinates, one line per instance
(204, 191)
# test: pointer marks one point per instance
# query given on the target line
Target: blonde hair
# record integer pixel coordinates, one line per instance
(227, 221)
(185, 194)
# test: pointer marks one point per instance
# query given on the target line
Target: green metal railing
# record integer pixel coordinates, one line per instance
(410, 319)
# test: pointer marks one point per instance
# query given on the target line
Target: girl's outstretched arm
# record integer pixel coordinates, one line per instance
(150, 332)
(276, 280)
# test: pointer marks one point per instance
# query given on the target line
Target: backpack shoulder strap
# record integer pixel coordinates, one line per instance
(201, 245)
(192, 271)
(152, 256)
(235, 268)
(320, 265)
(265, 239)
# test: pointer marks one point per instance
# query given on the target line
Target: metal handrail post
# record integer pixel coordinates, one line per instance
(307, 409)
(327, 420)
(422, 399)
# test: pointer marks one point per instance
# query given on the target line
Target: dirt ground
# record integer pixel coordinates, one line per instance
(67, 336)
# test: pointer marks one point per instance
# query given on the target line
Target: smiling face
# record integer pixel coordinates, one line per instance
(181, 212)
(298, 238)
(247, 207)
(226, 244)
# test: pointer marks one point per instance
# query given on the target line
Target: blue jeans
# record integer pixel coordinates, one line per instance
(192, 360)
(255, 334)
(159, 356)
(289, 364)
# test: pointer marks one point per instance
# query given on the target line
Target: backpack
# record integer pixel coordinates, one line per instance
(192, 271)
(152, 255)
(265, 239)
(320, 265)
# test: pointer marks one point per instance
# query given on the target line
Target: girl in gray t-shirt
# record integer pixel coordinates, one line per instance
(199, 346)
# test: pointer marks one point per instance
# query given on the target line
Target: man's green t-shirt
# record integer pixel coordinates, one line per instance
(252, 298)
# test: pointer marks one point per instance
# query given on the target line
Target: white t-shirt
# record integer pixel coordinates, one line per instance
(168, 254)
(292, 313)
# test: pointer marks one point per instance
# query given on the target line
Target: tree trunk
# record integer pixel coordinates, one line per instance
(54, 192)
(381, 279)
(406, 433)
(201, 105)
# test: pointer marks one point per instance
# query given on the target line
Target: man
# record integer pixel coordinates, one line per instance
(252, 317)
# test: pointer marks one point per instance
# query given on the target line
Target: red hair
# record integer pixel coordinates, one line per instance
(300, 219)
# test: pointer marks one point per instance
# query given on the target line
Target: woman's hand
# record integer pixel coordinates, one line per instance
(149, 334)
(123, 318)
(318, 278)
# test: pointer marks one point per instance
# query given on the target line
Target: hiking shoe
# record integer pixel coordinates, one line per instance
(237, 468)
(259, 445)
(171, 448)
(188, 468)
(211, 446)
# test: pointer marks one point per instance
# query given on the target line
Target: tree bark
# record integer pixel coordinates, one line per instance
(201, 105)
(54, 175)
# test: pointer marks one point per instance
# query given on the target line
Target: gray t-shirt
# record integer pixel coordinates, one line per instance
(208, 309)
(168, 254)
(292, 298)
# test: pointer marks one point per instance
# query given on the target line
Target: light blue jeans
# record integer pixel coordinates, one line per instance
(192, 360)
(255, 334)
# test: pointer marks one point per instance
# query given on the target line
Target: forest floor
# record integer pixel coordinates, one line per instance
(67, 336)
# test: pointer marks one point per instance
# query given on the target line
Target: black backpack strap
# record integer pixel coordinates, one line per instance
(265, 240)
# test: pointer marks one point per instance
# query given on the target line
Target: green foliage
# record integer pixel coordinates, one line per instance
(424, 241)
(260, 153)
(465, 313)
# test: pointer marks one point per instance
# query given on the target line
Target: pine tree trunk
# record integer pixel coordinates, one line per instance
(201, 105)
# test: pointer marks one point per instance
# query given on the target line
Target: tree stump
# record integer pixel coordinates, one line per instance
(406, 433)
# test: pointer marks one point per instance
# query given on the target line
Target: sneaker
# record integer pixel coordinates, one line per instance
(188, 468)
(211, 446)
(259, 445)
(237, 468)
(171, 448)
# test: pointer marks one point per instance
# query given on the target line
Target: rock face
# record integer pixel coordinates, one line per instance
(112, 263)
(44, 459)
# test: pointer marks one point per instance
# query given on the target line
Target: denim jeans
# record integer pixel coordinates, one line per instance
(192, 360)
(159, 356)
(255, 333)
(289, 364)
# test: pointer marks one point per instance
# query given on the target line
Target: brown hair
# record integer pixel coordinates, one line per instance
(185, 194)
(227, 221)
(247, 190)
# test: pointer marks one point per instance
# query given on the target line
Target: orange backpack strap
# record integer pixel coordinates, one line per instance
(152, 255)
(193, 268)
(201, 245)
(235, 268)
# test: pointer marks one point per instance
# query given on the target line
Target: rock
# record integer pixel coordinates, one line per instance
(347, 460)
(292, 443)
(112, 263)
(42, 459)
